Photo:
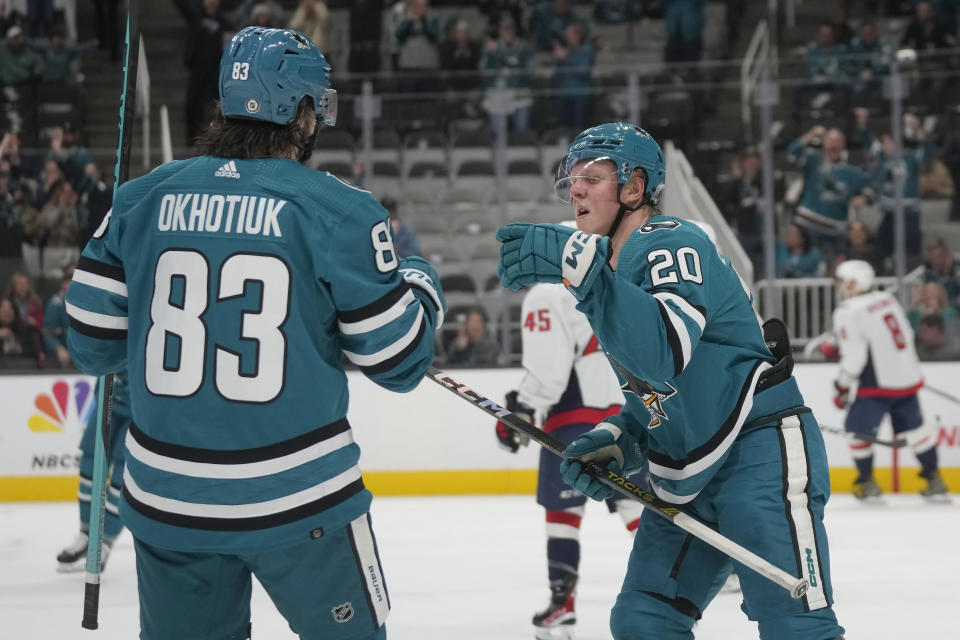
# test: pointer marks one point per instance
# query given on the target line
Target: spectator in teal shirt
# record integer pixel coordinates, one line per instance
(916, 152)
(869, 58)
(58, 57)
(56, 322)
(683, 20)
(508, 63)
(18, 63)
(825, 62)
(797, 258)
(574, 77)
(831, 188)
(549, 21)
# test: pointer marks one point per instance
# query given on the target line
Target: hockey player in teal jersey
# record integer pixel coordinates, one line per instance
(719, 418)
(73, 557)
(233, 285)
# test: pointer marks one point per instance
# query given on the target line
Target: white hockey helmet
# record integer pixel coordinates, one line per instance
(854, 277)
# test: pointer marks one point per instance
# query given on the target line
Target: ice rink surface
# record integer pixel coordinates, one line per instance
(474, 568)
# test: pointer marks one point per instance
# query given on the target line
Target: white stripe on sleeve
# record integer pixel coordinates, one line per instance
(96, 319)
(388, 352)
(100, 282)
(381, 319)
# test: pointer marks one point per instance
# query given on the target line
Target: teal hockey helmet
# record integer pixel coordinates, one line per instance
(628, 146)
(264, 73)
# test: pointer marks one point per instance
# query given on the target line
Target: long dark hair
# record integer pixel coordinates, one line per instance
(244, 138)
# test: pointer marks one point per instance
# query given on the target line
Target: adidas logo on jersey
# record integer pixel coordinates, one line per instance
(228, 170)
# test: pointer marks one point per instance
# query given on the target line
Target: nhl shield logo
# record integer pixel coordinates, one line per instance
(253, 105)
(343, 612)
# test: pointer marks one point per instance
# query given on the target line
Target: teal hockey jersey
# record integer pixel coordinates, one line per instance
(676, 321)
(232, 290)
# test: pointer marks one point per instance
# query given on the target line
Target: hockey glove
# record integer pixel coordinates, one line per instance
(607, 445)
(829, 351)
(425, 284)
(842, 397)
(550, 253)
(507, 437)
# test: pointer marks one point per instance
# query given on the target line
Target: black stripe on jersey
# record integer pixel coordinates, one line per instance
(102, 269)
(393, 361)
(682, 605)
(672, 339)
(97, 332)
(362, 571)
(718, 437)
(376, 307)
(238, 456)
(246, 524)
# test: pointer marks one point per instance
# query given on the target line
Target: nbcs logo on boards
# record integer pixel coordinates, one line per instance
(55, 410)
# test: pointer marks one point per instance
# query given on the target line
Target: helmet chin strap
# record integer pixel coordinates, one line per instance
(622, 211)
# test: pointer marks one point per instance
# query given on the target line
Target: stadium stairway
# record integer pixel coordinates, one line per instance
(163, 30)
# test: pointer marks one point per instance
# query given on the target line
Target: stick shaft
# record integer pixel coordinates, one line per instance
(942, 394)
(796, 586)
(895, 444)
(91, 596)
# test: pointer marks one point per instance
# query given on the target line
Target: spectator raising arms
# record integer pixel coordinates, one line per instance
(58, 56)
(930, 299)
(916, 152)
(831, 188)
(418, 54)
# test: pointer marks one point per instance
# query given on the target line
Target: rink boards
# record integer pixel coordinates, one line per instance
(427, 441)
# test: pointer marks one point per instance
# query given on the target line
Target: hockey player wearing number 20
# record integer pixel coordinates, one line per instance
(879, 362)
(232, 285)
(720, 421)
(571, 385)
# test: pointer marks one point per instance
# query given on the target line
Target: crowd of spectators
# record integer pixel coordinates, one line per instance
(844, 162)
(33, 332)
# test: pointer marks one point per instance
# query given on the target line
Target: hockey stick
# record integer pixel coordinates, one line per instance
(895, 444)
(796, 586)
(98, 498)
(942, 394)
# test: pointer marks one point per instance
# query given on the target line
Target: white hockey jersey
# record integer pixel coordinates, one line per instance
(568, 377)
(877, 353)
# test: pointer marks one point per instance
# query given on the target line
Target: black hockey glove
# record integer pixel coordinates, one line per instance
(507, 437)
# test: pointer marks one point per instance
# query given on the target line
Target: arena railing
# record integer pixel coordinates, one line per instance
(807, 303)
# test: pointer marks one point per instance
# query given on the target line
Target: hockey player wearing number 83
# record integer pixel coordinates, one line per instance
(232, 285)
(714, 412)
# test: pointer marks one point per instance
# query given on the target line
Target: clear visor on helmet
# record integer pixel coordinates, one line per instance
(576, 169)
(327, 107)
